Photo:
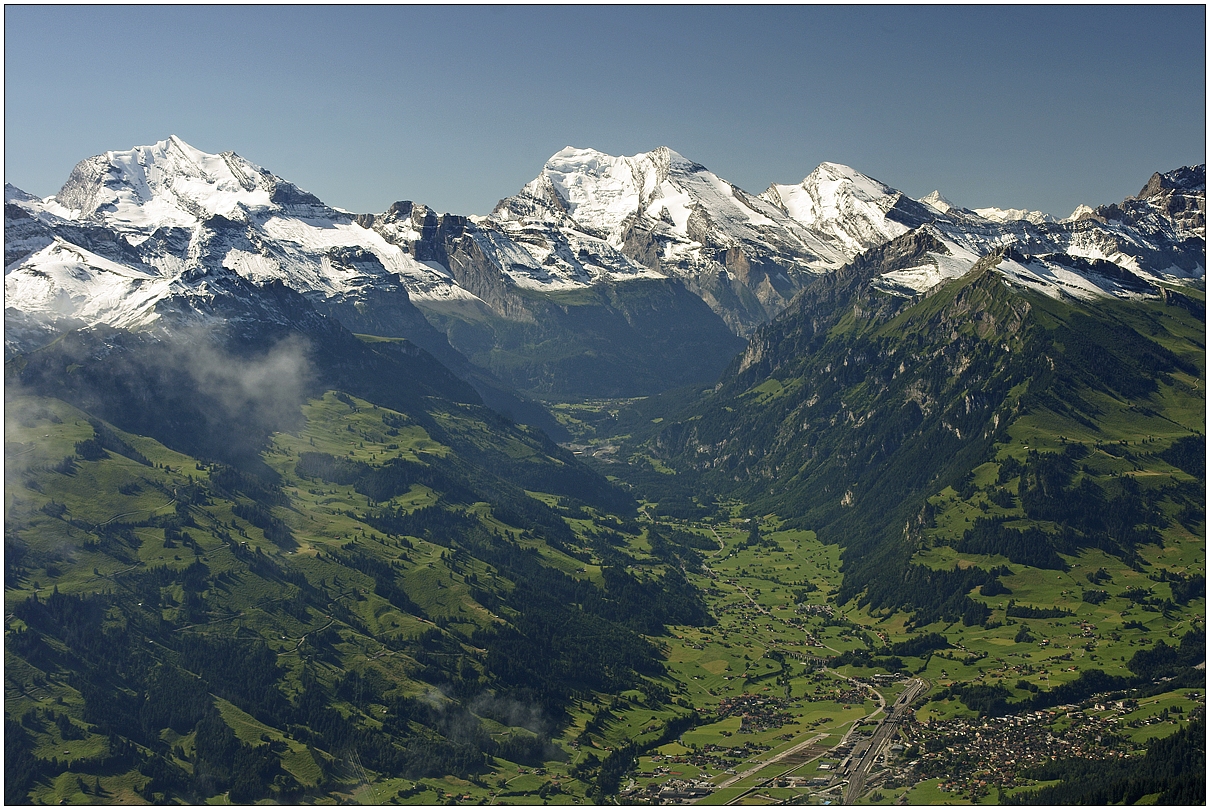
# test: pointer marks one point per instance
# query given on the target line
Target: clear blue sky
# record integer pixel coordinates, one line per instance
(456, 107)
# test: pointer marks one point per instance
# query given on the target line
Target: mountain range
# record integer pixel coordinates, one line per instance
(604, 276)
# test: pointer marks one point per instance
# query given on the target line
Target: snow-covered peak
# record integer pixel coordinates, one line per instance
(600, 191)
(937, 202)
(132, 228)
(1080, 212)
(846, 206)
(831, 192)
(1014, 215)
(573, 161)
(658, 214)
(171, 183)
(14, 194)
(590, 186)
(866, 188)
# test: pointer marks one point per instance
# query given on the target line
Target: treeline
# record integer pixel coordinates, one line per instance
(435, 524)
(1115, 518)
(1184, 588)
(1188, 454)
(109, 440)
(453, 481)
(274, 528)
(104, 439)
(485, 465)
(919, 646)
(932, 594)
(610, 771)
(866, 435)
(677, 546)
(1029, 546)
(383, 482)
(1015, 611)
(155, 653)
(228, 482)
(1149, 666)
(890, 657)
(1165, 661)
(568, 636)
(130, 697)
(385, 575)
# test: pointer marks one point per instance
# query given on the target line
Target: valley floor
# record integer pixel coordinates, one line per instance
(784, 728)
(781, 695)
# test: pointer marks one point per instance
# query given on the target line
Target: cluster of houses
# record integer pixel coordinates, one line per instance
(756, 712)
(974, 755)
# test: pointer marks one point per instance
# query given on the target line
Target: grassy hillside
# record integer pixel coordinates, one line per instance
(989, 504)
(389, 610)
(853, 422)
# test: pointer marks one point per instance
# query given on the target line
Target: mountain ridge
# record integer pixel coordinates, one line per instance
(489, 295)
(854, 407)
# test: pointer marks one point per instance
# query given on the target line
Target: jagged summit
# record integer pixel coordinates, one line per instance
(936, 201)
(138, 233)
(11, 192)
(1080, 212)
(1013, 214)
(590, 216)
(600, 190)
(1186, 178)
(173, 183)
(132, 227)
(851, 211)
(745, 255)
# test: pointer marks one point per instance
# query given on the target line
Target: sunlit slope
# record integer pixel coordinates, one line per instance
(415, 595)
(853, 411)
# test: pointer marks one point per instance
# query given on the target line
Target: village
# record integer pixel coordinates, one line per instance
(973, 755)
(970, 756)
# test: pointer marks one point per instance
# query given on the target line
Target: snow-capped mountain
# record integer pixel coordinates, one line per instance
(168, 230)
(1159, 236)
(746, 256)
(657, 214)
(163, 236)
(847, 210)
(1013, 214)
(131, 229)
(937, 202)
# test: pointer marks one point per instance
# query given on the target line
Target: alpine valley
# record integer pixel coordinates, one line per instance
(640, 488)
